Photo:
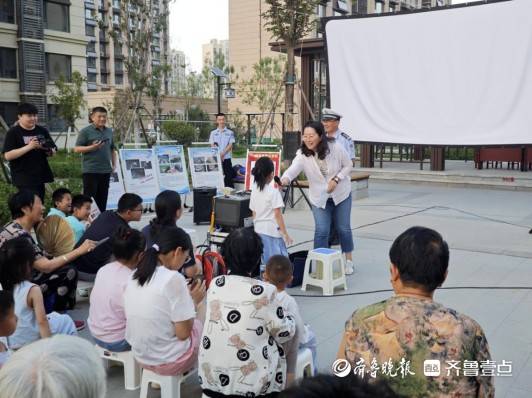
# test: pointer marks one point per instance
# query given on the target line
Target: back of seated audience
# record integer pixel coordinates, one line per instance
(62, 202)
(167, 211)
(164, 315)
(56, 276)
(245, 327)
(411, 327)
(105, 226)
(8, 323)
(329, 386)
(58, 367)
(280, 272)
(107, 318)
(79, 219)
(16, 257)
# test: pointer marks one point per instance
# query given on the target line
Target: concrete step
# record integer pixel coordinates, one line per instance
(509, 180)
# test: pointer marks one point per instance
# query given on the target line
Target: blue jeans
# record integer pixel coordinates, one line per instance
(341, 213)
(117, 346)
(271, 247)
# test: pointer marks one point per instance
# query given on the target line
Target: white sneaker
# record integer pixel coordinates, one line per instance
(349, 267)
(83, 292)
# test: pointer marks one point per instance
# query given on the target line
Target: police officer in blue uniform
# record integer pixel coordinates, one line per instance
(223, 138)
(331, 120)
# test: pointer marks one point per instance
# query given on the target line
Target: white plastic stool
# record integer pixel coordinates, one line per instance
(305, 364)
(170, 385)
(324, 276)
(131, 367)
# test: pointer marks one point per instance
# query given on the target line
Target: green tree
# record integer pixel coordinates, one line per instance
(69, 99)
(262, 90)
(181, 132)
(290, 21)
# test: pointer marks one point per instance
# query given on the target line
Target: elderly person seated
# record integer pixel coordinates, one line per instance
(57, 367)
(409, 328)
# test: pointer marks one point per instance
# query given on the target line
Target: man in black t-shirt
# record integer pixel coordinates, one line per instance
(27, 147)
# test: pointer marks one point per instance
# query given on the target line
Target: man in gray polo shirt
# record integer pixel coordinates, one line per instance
(95, 143)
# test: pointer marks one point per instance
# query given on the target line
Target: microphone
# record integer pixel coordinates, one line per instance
(277, 180)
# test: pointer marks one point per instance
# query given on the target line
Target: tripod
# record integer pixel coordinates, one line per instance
(288, 197)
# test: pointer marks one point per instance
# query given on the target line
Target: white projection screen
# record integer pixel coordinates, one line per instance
(457, 76)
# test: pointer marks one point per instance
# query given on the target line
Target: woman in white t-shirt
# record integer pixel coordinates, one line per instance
(162, 326)
(266, 204)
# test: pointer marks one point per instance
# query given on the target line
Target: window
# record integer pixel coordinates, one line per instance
(57, 65)
(91, 77)
(56, 16)
(7, 11)
(103, 66)
(8, 110)
(103, 50)
(119, 67)
(91, 63)
(8, 63)
(116, 4)
(91, 47)
(119, 79)
(103, 78)
(90, 30)
(378, 7)
(392, 7)
(55, 123)
(88, 14)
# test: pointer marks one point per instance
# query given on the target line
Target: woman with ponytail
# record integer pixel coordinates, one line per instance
(163, 326)
(107, 320)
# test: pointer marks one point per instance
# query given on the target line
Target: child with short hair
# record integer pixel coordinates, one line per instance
(16, 259)
(81, 210)
(107, 318)
(62, 202)
(266, 204)
(8, 323)
(280, 273)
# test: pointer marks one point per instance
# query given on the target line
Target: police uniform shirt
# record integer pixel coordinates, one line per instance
(222, 138)
(346, 142)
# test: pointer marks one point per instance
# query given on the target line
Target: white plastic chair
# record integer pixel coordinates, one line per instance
(325, 275)
(170, 385)
(131, 367)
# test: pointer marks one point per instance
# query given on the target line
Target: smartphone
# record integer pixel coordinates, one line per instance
(104, 141)
(98, 243)
(199, 278)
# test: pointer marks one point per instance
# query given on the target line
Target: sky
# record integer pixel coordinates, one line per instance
(196, 22)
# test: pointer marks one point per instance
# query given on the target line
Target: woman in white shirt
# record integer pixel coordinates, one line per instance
(328, 170)
(162, 327)
(266, 204)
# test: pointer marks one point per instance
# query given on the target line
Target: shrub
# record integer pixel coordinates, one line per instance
(181, 132)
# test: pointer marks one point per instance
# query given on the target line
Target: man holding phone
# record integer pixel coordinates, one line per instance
(95, 143)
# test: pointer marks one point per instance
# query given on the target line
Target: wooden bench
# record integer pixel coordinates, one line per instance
(359, 189)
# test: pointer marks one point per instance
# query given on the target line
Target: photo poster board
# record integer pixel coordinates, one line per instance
(205, 167)
(172, 168)
(140, 177)
(252, 157)
(116, 187)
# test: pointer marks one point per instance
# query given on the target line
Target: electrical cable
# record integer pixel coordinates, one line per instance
(440, 288)
(436, 207)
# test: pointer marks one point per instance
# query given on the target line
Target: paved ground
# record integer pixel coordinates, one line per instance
(487, 231)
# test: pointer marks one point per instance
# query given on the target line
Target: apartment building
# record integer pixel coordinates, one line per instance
(105, 54)
(177, 75)
(39, 41)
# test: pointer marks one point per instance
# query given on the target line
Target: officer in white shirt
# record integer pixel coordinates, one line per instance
(223, 138)
(330, 120)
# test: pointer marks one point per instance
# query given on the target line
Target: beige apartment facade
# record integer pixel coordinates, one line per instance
(36, 51)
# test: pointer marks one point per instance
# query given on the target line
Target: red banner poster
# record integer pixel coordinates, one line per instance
(250, 163)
